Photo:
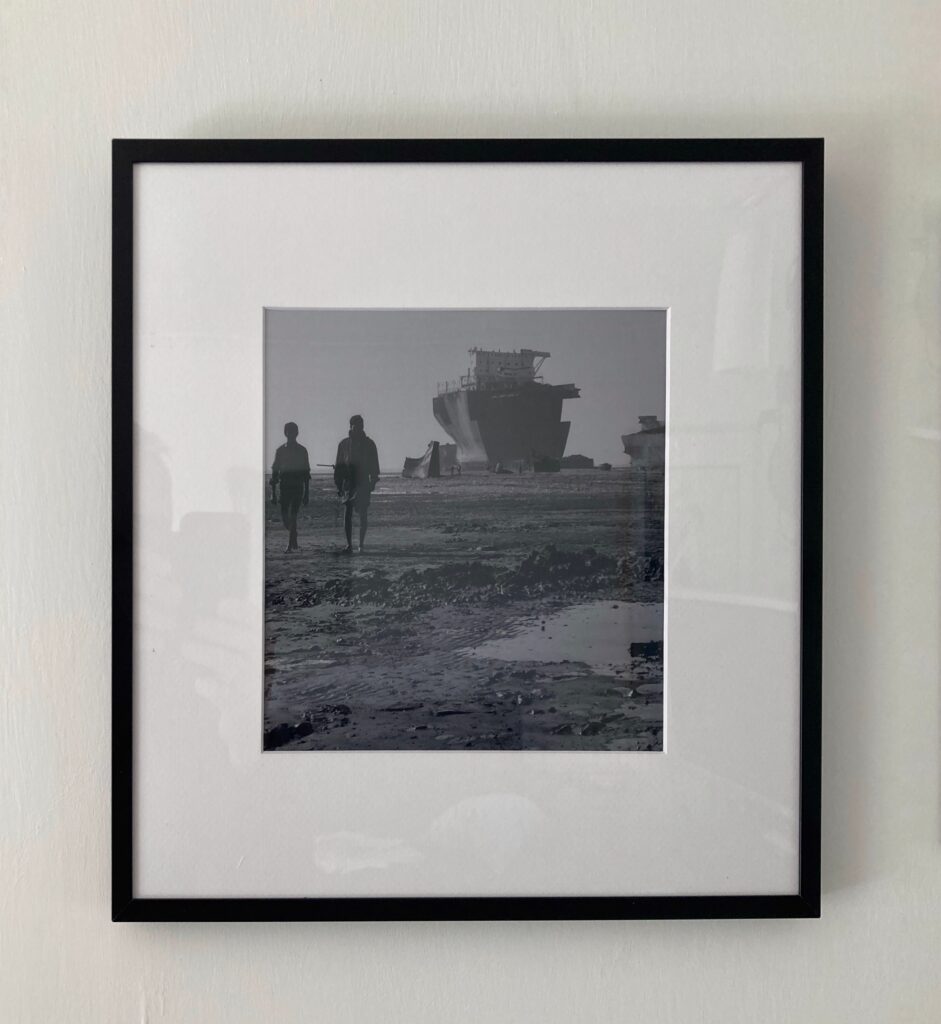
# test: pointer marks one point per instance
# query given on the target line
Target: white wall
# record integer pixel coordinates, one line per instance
(864, 74)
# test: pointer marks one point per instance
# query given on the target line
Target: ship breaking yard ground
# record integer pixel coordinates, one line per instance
(488, 611)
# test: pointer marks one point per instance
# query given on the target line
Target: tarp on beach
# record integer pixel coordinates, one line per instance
(427, 465)
(437, 460)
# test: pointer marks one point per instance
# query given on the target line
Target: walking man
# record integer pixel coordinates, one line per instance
(291, 470)
(355, 474)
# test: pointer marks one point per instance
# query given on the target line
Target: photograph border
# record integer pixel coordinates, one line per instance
(809, 154)
(622, 311)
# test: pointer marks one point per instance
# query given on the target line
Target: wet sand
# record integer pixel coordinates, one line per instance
(487, 612)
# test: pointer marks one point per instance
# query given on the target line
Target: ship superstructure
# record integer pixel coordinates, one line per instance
(501, 412)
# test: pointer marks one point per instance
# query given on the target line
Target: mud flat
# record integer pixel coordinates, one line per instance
(488, 612)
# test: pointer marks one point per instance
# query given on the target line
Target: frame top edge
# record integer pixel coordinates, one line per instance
(470, 150)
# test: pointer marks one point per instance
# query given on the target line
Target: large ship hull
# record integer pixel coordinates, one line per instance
(514, 425)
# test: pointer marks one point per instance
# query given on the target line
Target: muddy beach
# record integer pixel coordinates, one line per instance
(487, 612)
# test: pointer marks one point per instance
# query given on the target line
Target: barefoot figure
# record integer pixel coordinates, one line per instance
(291, 470)
(355, 474)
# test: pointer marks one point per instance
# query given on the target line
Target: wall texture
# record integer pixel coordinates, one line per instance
(862, 73)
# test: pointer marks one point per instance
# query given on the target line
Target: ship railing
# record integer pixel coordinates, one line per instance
(490, 382)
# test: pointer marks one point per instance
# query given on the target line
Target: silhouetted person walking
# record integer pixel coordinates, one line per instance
(291, 470)
(356, 473)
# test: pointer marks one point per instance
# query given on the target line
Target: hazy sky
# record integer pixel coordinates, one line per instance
(323, 365)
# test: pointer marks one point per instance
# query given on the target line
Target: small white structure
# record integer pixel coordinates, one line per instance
(647, 446)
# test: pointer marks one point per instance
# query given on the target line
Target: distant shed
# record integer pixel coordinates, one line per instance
(578, 462)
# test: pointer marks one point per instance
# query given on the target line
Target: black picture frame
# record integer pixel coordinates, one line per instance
(127, 153)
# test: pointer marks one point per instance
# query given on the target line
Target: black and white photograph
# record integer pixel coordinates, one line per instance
(464, 529)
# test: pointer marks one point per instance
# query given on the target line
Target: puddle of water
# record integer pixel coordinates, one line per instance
(598, 634)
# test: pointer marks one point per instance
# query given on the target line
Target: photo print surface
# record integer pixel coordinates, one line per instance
(464, 529)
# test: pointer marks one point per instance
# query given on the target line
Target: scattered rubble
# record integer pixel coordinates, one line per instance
(545, 571)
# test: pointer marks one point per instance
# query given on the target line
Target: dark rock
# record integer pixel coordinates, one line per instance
(278, 736)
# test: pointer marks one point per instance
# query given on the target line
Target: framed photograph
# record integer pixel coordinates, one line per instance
(467, 529)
